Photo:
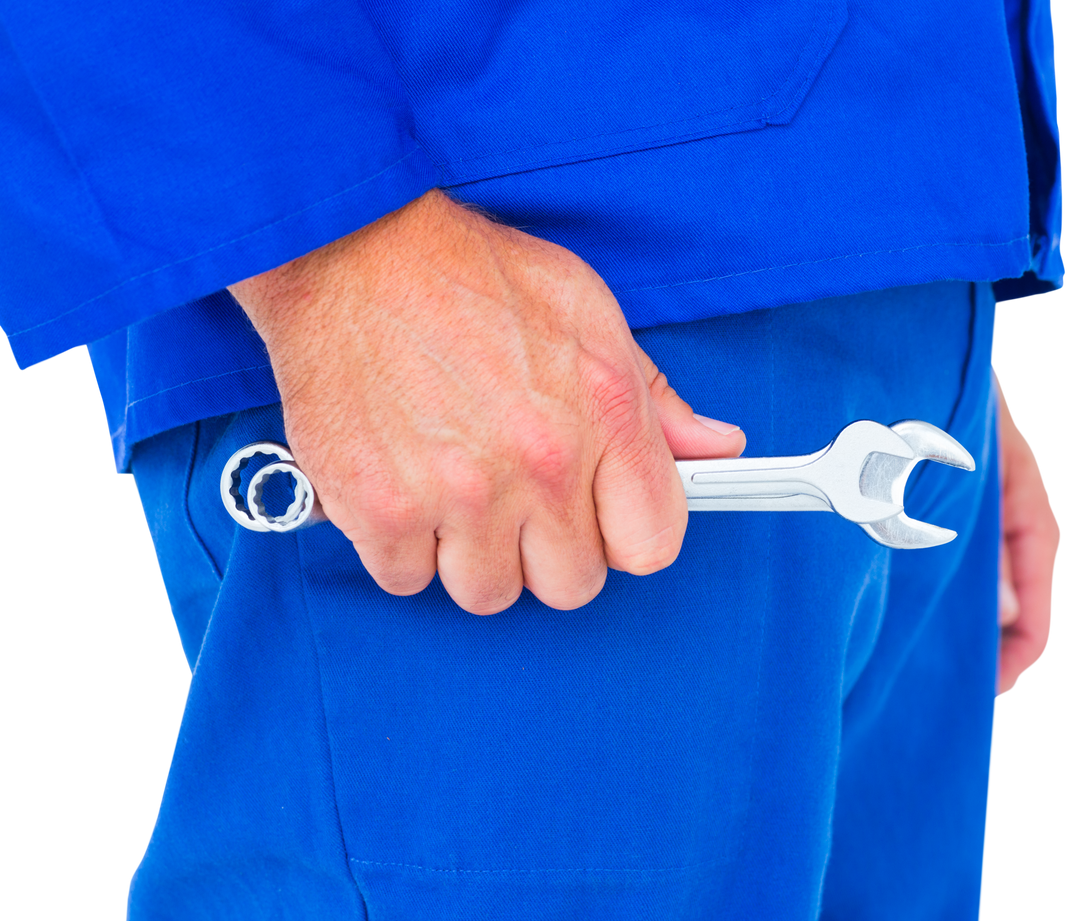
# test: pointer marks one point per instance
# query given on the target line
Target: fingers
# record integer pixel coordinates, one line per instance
(1008, 602)
(480, 566)
(488, 528)
(397, 545)
(640, 503)
(524, 519)
(484, 560)
(688, 435)
(562, 555)
(1023, 641)
(468, 399)
(555, 519)
(1030, 540)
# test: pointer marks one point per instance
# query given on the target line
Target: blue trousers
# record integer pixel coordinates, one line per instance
(790, 722)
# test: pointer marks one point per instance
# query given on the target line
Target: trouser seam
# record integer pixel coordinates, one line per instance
(326, 726)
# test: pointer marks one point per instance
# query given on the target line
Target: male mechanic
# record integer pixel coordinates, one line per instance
(798, 207)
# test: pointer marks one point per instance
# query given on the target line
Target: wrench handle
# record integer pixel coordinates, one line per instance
(796, 502)
(752, 483)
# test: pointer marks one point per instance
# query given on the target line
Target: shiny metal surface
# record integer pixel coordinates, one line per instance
(860, 475)
(304, 509)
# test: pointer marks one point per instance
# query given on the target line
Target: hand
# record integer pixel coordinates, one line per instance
(468, 399)
(1029, 543)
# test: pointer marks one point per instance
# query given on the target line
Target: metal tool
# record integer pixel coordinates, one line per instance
(252, 514)
(860, 475)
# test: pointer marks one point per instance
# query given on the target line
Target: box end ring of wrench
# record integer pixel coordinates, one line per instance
(252, 513)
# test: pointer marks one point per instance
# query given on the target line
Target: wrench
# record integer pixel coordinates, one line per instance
(304, 509)
(860, 475)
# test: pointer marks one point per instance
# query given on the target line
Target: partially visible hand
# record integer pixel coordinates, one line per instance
(1028, 546)
(468, 399)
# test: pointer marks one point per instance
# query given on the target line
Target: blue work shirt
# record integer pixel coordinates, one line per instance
(705, 159)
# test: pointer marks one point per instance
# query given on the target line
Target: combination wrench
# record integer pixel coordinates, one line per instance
(860, 475)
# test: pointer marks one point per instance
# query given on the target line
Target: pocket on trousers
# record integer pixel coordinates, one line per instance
(542, 763)
(935, 492)
(201, 532)
(544, 83)
(165, 467)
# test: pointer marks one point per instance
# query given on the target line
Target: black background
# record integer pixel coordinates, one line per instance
(96, 678)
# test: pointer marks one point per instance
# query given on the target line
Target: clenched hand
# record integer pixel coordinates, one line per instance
(468, 399)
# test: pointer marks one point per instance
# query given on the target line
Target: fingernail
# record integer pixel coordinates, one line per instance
(724, 428)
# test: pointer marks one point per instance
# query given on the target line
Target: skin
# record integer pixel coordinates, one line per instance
(468, 399)
(1029, 545)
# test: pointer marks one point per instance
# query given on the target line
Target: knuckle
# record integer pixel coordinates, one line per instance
(547, 458)
(472, 488)
(616, 394)
(390, 513)
(658, 385)
(392, 549)
(649, 367)
(467, 483)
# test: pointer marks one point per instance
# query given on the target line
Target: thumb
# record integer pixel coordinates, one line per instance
(688, 435)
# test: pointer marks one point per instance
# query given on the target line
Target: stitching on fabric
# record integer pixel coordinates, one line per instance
(585, 156)
(198, 380)
(795, 265)
(965, 370)
(676, 284)
(917, 474)
(816, 34)
(187, 503)
(258, 230)
(698, 281)
(811, 73)
(326, 722)
(881, 694)
(414, 866)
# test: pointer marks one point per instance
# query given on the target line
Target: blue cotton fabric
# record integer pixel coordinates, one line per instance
(790, 722)
(706, 159)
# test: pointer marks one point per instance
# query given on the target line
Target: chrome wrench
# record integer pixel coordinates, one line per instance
(860, 475)
(252, 514)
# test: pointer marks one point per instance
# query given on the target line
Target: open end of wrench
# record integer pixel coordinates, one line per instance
(903, 533)
(931, 443)
(889, 475)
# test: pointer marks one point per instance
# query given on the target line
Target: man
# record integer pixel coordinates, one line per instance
(469, 401)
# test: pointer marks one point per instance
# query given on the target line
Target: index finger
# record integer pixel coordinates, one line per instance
(640, 503)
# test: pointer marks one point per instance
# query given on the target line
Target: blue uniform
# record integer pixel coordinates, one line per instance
(791, 720)
(744, 154)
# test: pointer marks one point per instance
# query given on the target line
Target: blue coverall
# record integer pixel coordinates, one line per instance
(801, 207)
